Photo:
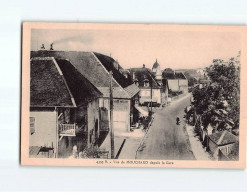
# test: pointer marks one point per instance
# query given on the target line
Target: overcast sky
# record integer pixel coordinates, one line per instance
(133, 48)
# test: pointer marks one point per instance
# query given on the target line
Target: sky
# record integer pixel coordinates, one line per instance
(133, 48)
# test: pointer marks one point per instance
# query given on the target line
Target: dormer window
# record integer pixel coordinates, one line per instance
(146, 83)
(126, 75)
(136, 82)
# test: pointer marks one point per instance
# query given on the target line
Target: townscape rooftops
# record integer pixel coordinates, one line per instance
(58, 83)
(89, 66)
(171, 75)
(111, 65)
(141, 74)
(223, 138)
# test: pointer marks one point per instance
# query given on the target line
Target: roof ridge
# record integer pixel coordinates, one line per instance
(108, 73)
(221, 137)
(64, 80)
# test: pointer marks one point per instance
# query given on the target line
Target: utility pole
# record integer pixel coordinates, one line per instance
(151, 83)
(111, 118)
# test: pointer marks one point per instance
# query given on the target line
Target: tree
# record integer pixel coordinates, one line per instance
(223, 94)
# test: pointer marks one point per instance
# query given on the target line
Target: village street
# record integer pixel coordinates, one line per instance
(165, 139)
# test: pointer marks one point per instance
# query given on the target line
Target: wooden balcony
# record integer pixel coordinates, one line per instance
(67, 129)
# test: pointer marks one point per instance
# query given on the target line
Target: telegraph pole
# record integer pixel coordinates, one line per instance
(151, 95)
(111, 118)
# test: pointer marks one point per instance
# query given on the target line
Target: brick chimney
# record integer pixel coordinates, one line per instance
(51, 46)
(42, 46)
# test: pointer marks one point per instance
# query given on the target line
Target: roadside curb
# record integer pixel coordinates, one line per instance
(142, 140)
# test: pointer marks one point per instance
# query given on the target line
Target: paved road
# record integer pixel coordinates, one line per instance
(165, 140)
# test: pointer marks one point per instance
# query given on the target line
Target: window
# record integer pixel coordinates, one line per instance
(101, 103)
(136, 83)
(146, 83)
(32, 125)
(227, 150)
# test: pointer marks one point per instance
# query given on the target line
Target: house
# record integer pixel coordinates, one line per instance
(124, 80)
(222, 143)
(176, 81)
(64, 109)
(150, 89)
(95, 67)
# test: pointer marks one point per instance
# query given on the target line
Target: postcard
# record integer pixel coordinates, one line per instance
(134, 95)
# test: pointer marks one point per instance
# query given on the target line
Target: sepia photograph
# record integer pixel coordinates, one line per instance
(134, 95)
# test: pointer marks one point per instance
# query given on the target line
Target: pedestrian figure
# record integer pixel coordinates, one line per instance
(75, 151)
(178, 121)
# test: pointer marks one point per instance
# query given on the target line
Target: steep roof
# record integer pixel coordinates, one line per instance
(89, 66)
(81, 88)
(141, 74)
(56, 83)
(155, 65)
(223, 138)
(111, 65)
(132, 90)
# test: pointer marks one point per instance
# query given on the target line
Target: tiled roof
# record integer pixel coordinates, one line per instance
(81, 88)
(88, 65)
(141, 74)
(118, 92)
(47, 87)
(223, 138)
(132, 90)
(58, 83)
(111, 65)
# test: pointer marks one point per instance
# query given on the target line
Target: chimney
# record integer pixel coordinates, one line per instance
(42, 47)
(143, 65)
(51, 48)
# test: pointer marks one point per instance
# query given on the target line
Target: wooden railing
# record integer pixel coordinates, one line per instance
(67, 129)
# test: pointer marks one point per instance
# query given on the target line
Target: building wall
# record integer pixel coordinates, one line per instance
(178, 85)
(145, 95)
(93, 122)
(45, 129)
(173, 85)
(121, 113)
(183, 84)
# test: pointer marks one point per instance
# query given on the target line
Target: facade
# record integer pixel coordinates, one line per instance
(176, 81)
(61, 101)
(150, 89)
